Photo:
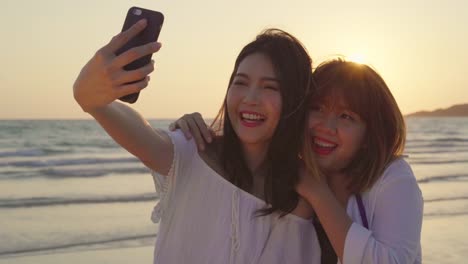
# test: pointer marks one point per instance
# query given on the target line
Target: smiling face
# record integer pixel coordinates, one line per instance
(254, 101)
(355, 125)
(337, 133)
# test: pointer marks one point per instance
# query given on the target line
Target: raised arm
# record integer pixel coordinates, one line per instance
(103, 80)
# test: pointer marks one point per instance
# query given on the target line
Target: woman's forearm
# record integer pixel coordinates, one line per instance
(332, 216)
(130, 130)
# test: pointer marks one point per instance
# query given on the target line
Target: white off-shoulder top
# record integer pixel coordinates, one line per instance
(206, 219)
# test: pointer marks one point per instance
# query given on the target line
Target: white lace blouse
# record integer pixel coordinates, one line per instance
(206, 219)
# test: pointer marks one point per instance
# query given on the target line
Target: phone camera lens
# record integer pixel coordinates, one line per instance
(137, 11)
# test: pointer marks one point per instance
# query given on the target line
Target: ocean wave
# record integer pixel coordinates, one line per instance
(442, 214)
(456, 177)
(445, 199)
(444, 139)
(90, 173)
(97, 143)
(70, 246)
(432, 161)
(456, 151)
(57, 201)
(53, 173)
(67, 162)
(438, 147)
(34, 152)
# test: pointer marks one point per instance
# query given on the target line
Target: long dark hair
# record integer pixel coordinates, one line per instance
(292, 65)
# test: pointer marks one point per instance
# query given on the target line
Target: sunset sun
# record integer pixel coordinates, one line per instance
(358, 58)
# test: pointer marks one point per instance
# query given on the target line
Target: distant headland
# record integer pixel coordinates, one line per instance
(460, 110)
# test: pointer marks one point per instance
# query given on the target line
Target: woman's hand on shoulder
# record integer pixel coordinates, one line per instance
(103, 79)
(193, 126)
(309, 186)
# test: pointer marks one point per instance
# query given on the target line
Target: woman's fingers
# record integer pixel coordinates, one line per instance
(125, 81)
(181, 123)
(130, 88)
(134, 54)
(193, 126)
(123, 37)
(204, 130)
(103, 79)
(125, 77)
(172, 126)
(195, 130)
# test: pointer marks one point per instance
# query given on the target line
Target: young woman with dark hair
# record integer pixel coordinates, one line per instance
(235, 202)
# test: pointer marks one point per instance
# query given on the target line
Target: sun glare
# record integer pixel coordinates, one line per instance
(359, 58)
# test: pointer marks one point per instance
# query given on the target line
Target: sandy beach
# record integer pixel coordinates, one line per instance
(443, 241)
(101, 256)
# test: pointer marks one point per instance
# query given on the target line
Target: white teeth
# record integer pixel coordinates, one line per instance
(323, 144)
(252, 117)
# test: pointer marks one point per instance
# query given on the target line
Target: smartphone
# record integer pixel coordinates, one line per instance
(149, 34)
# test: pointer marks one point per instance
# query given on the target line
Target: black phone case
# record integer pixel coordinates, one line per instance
(149, 34)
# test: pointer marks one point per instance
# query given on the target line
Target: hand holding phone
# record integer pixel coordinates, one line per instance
(149, 34)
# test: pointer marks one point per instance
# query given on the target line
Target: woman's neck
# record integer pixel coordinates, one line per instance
(255, 156)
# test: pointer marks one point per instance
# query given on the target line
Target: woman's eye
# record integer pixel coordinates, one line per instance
(347, 117)
(240, 83)
(271, 87)
(316, 108)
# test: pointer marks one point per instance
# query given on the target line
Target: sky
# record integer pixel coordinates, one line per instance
(418, 46)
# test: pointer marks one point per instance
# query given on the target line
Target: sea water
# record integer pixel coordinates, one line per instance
(65, 185)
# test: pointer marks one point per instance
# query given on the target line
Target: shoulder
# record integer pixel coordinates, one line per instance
(184, 151)
(397, 179)
(176, 135)
(180, 142)
(398, 170)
